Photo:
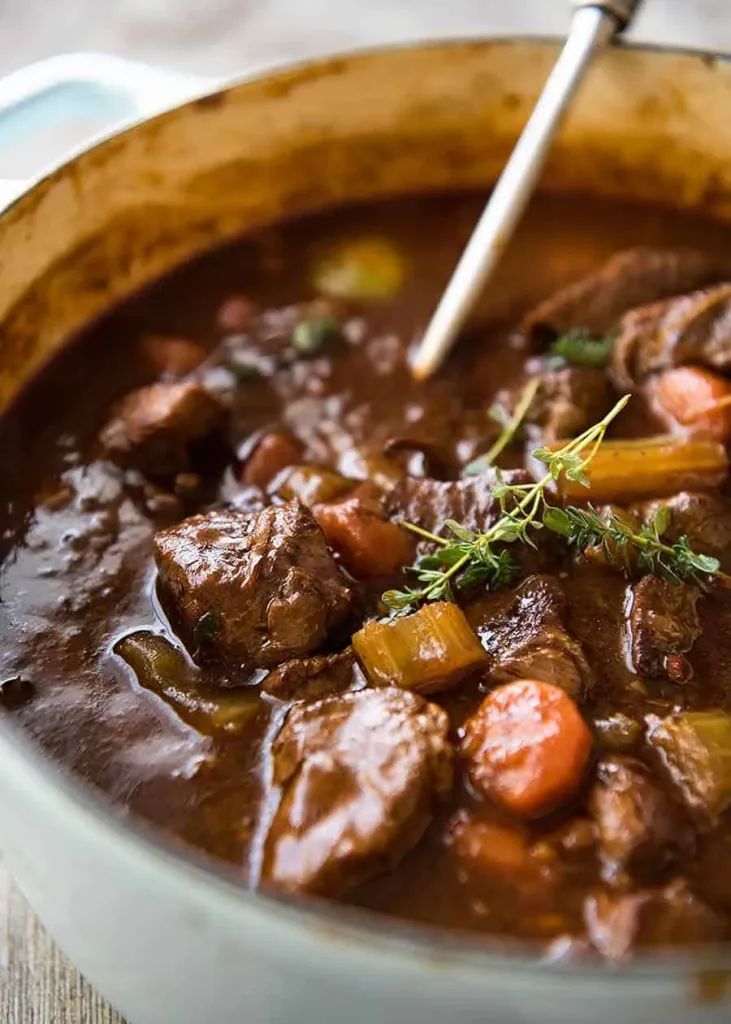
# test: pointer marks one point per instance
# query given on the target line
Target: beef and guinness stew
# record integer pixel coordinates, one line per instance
(457, 651)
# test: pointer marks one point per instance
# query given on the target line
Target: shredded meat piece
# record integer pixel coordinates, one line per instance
(429, 503)
(619, 923)
(705, 519)
(568, 401)
(155, 427)
(360, 776)
(662, 621)
(694, 328)
(629, 279)
(640, 829)
(313, 678)
(525, 636)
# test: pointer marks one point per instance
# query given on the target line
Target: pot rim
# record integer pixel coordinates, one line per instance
(205, 88)
(89, 806)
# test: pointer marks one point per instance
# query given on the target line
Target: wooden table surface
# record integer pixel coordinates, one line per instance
(37, 983)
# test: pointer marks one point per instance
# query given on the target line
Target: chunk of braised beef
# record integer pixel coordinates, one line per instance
(567, 402)
(704, 518)
(630, 278)
(525, 635)
(360, 778)
(693, 328)
(268, 579)
(428, 503)
(640, 829)
(154, 429)
(620, 923)
(323, 675)
(662, 622)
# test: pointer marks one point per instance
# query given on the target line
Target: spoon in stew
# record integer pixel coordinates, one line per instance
(595, 23)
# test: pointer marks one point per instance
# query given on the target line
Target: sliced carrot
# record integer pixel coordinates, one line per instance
(526, 747)
(274, 453)
(369, 545)
(696, 399)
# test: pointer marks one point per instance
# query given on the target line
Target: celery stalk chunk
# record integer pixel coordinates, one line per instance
(651, 467)
(429, 650)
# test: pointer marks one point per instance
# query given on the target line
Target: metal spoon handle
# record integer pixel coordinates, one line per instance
(592, 27)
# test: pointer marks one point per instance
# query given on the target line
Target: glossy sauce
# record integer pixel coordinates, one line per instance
(77, 568)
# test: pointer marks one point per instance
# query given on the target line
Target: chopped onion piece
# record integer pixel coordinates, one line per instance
(161, 667)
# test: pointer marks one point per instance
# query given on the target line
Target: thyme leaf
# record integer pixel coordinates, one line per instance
(676, 563)
(578, 348)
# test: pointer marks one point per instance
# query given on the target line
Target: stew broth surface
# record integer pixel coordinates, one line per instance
(78, 572)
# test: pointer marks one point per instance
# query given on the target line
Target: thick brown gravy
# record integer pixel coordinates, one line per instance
(78, 573)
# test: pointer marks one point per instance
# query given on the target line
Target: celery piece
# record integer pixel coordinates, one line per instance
(160, 666)
(429, 650)
(652, 467)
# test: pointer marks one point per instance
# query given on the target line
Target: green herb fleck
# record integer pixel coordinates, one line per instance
(244, 367)
(578, 348)
(314, 334)
(206, 628)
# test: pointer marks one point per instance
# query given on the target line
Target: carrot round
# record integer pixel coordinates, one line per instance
(526, 747)
(696, 399)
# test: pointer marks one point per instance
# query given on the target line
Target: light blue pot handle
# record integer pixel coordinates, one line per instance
(86, 85)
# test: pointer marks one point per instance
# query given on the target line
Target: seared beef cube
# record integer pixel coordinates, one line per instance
(155, 427)
(693, 328)
(566, 403)
(266, 582)
(361, 776)
(525, 636)
(630, 278)
(662, 622)
(322, 675)
(640, 829)
(705, 519)
(673, 916)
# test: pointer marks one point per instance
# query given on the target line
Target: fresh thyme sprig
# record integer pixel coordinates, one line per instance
(677, 563)
(469, 557)
(510, 429)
